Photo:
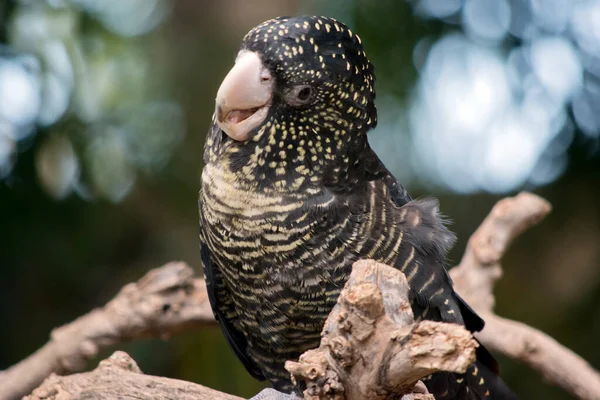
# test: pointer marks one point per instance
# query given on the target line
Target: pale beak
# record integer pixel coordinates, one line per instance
(244, 96)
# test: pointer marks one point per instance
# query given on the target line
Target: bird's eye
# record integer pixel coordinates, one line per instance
(300, 95)
(304, 93)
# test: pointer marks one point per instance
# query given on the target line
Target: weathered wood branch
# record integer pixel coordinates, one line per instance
(119, 377)
(474, 279)
(166, 301)
(371, 346)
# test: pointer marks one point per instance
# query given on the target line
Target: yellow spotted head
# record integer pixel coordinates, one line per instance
(300, 96)
(320, 55)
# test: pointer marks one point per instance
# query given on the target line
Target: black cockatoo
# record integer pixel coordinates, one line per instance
(292, 195)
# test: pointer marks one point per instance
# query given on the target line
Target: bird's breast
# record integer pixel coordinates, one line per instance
(244, 223)
(275, 254)
(263, 238)
(238, 206)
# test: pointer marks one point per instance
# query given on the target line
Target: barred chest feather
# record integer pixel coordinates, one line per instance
(294, 238)
(277, 252)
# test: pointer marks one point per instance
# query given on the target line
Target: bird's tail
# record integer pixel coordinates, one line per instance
(498, 390)
(488, 371)
(479, 382)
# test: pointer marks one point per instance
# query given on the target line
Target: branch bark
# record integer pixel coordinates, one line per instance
(119, 377)
(166, 301)
(371, 346)
(371, 349)
(475, 277)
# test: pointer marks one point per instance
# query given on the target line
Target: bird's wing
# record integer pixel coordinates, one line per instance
(376, 170)
(217, 293)
(427, 233)
(430, 237)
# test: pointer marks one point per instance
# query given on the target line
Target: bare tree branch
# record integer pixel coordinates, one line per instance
(475, 277)
(119, 377)
(371, 349)
(167, 300)
(371, 346)
(555, 362)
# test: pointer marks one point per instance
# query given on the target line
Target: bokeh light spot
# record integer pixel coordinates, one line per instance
(438, 8)
(556, 64)
(58, 166)
(19, 93)
(487, 19)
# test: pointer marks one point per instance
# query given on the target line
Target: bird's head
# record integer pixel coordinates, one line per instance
(300, 95)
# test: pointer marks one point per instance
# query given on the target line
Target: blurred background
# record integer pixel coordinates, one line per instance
(104, 106)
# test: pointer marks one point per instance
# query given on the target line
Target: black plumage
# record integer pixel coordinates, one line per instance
(292, 194)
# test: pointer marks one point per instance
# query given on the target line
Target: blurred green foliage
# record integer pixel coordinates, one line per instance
(138, 104)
